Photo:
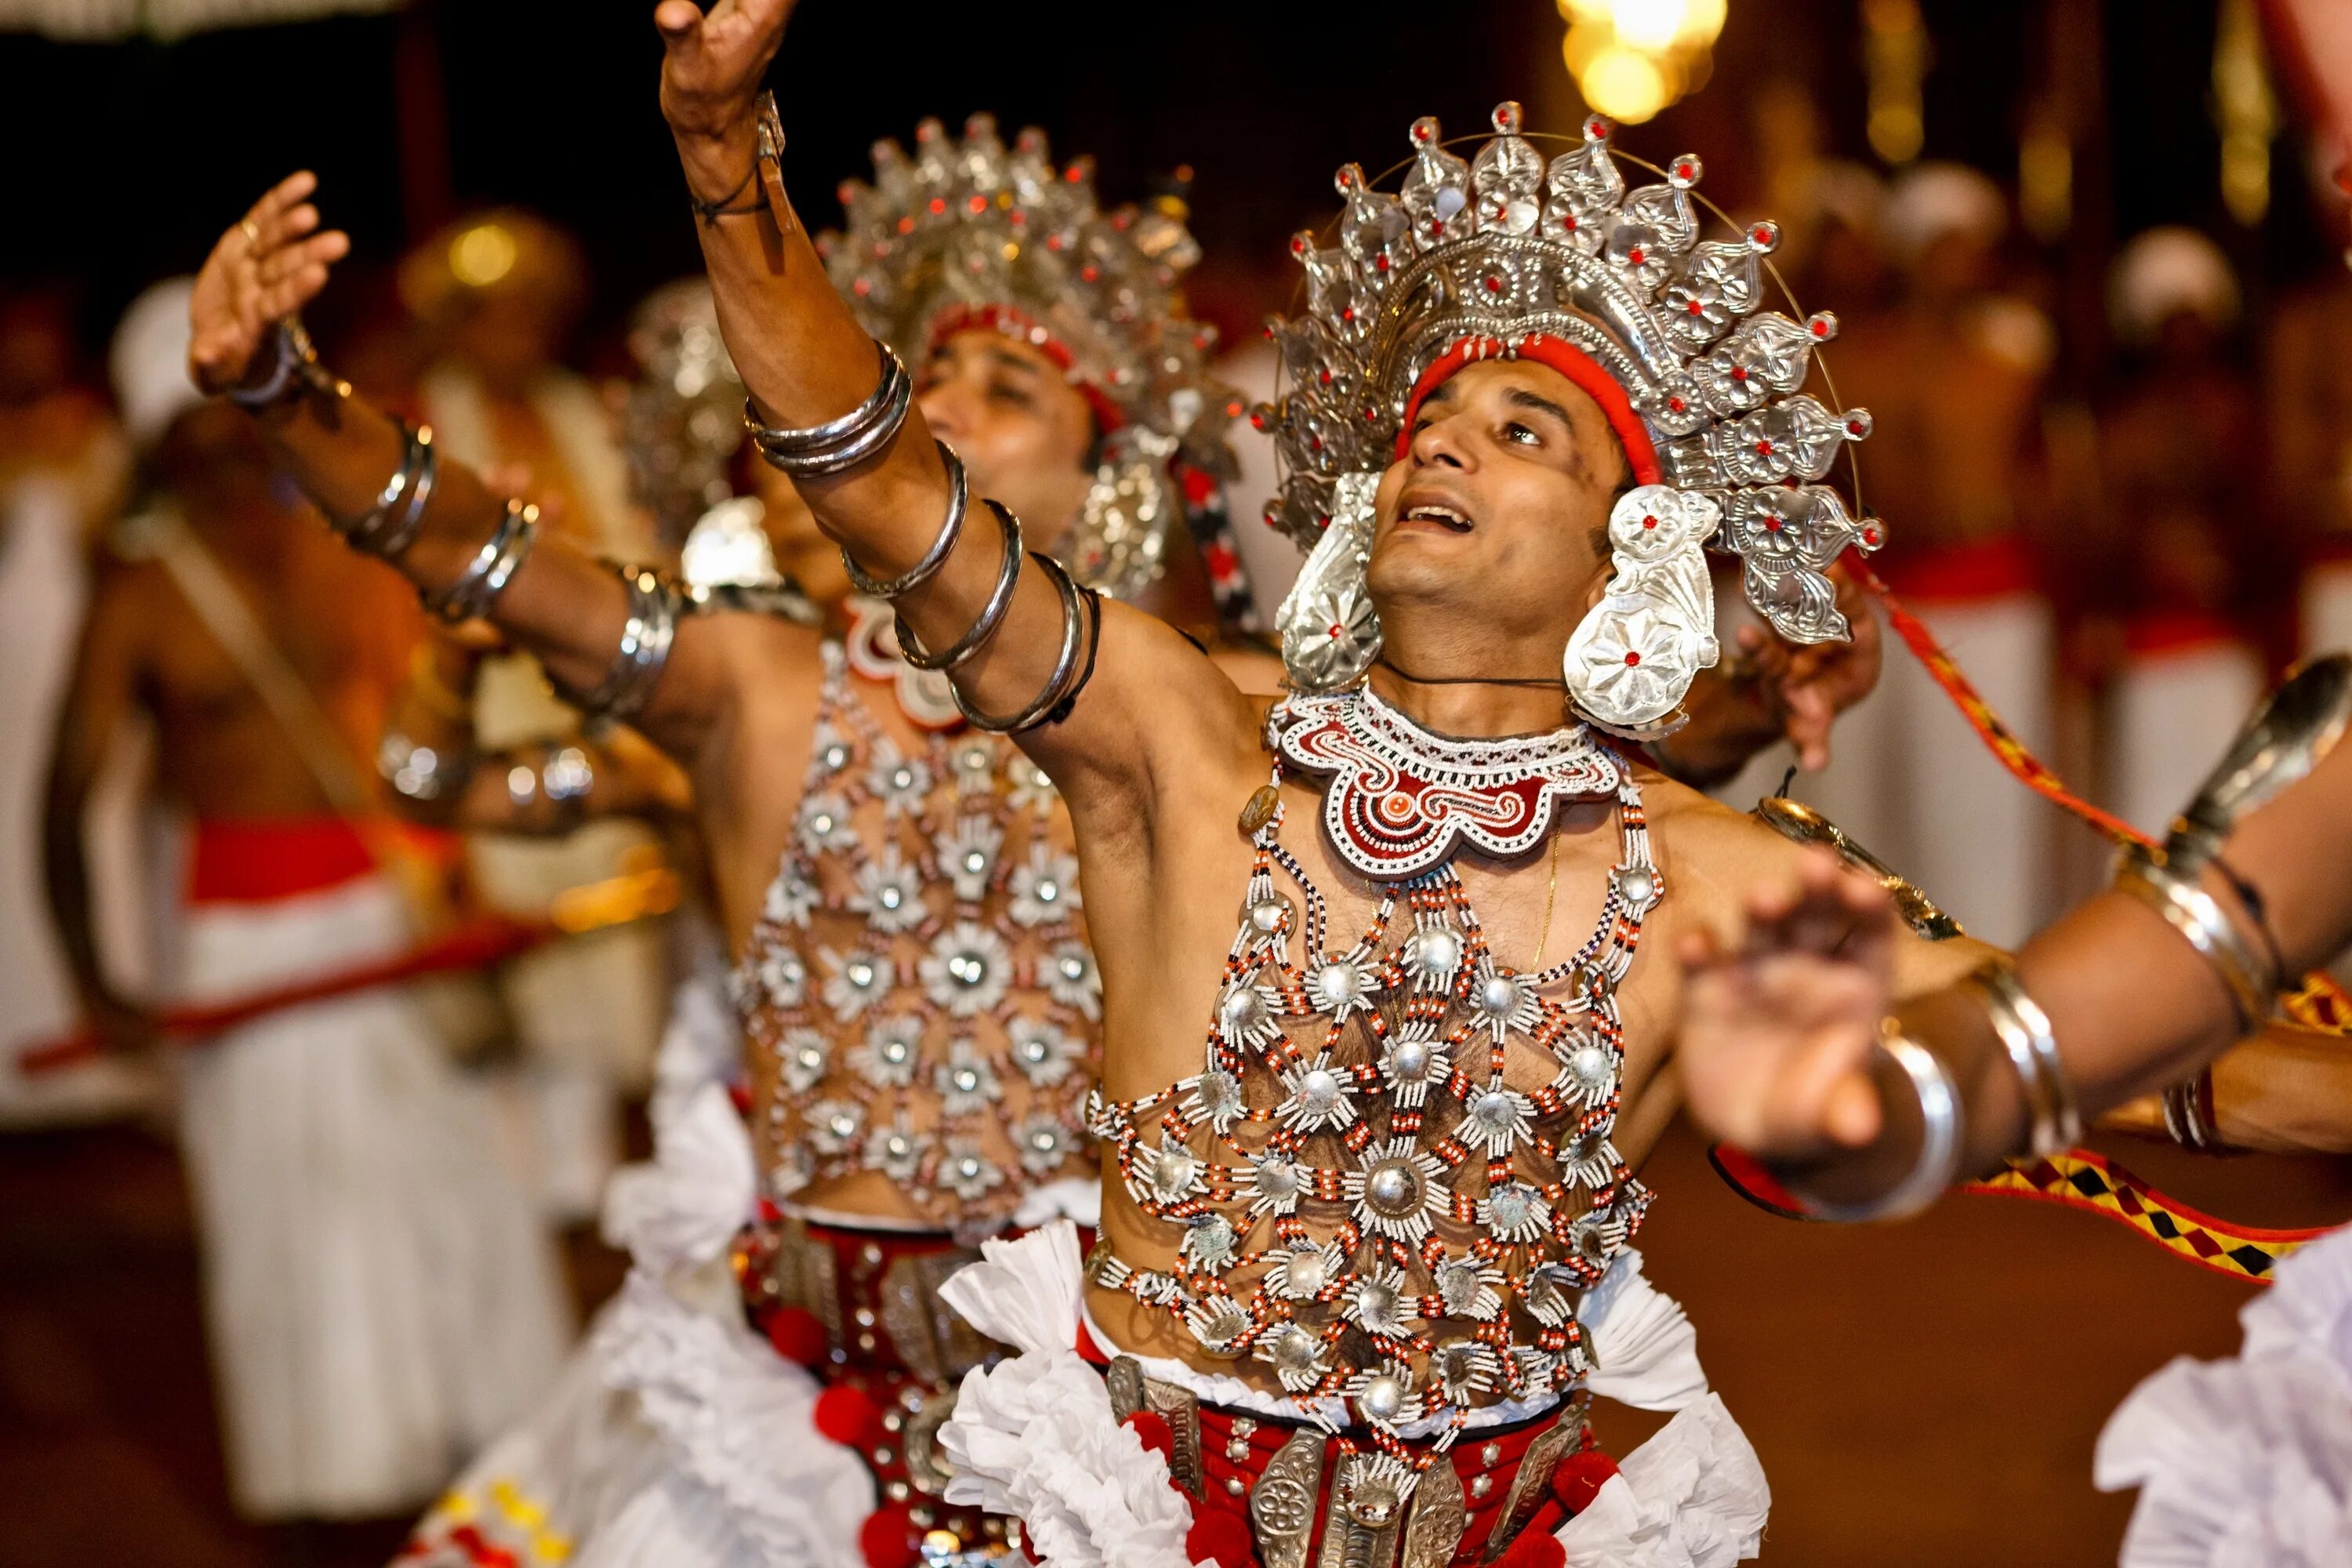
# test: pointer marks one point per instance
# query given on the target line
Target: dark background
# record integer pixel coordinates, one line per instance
(126, 161)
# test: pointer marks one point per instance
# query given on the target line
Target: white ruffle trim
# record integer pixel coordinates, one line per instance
(702, 1043)
(2247, 1463)
(1077, 1199)
(739, 1419)
(1644, 1350)
(1694, 1495)
(1034, 1438)
(685, 1207)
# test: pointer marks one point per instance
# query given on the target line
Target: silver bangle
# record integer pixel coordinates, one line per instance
(565, 775)
(492, 568)
(2250, 980)
(1940, 1139)
(376, 532)
(838, 444)
(1058, 685)
(2188, 1115)
(420, 773)
(959, 497)
(992, 615)
(294, 356)
(2053, 1121)
(646, 638)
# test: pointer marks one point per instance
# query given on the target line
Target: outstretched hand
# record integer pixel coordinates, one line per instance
(1777, 1033)
(271, 264)
(712, 65)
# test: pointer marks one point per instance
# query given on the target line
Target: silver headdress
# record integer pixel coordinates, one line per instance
(974, 233)
(1494, 257)
(683, 420)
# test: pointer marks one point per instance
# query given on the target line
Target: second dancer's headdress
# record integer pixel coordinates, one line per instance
(1512, 256)
(974, 234)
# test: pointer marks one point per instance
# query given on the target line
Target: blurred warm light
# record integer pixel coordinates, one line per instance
(482, 255)
(2045, 177)
(1633, 57)
(1894, 57)
(2245, 110)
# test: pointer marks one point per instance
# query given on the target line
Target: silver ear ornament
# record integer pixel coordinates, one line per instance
(1330, 633)
(1635, 653)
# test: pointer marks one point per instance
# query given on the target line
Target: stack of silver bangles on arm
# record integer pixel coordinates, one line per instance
(2281, 742)
(2053, 1120)
(637, 664)
(494, 565)
(863, 433)
(386, 529)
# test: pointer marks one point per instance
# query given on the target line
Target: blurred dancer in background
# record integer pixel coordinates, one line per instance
(1952, 375)
(500, 294)
(378, 1295)
(2186, 528)
(62, 468)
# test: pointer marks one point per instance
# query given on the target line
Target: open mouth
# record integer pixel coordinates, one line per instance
(1436, 515)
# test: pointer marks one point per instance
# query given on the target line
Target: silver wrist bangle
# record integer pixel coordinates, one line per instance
(2053, 1121)
(2252, 981)
(2190, 1118)
(646, 638)
(492, 568)
(565, 775)
(1940, 1139)
(959, 497)
(387, 529)
(992, 615)
(1059, 685)
(842, 444)
(293, 365)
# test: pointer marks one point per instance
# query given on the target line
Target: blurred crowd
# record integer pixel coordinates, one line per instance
(204, 685)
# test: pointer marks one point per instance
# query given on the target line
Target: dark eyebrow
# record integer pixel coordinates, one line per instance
(1005, 359)
(1519, 398)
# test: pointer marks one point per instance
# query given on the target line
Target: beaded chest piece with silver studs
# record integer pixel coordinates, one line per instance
(1395, 1176)
(917, 990)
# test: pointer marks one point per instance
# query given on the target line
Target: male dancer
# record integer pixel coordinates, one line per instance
(1371, 1206)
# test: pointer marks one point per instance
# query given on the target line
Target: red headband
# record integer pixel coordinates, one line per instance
(1572, 362)
(1109, 415)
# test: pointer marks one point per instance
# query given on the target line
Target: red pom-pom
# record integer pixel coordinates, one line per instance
(848, 1418)
(1152, 1427)
(888, 1538)
(1579, 1477)
(1220, 1536)
(797, 1335)
(1535, 1549)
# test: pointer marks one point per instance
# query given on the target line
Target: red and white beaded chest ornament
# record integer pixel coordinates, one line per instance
(1509, 255)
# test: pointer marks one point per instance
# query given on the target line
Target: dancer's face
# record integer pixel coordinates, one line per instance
(1025, 434)
(1500, 508)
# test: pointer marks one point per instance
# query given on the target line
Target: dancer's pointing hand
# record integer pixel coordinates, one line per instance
(271, 264)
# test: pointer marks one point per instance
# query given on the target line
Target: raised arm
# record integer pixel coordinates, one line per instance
(1105, 695)
(468, 550)
(1781, 1039)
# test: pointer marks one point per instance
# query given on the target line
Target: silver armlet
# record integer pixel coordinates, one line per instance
(492, 568)
(2252, 980)
(992, 615)
(1067, 676)
(1939, 1139)
(420, 773)
(388, 528)
(959, 497)
(646, 638)
(840, 444)
(2053, 1121)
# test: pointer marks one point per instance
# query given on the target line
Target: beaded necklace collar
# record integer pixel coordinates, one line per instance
(1402, 799)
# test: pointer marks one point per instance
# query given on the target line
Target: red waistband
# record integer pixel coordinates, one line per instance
(2157, 632)
(234, 861)
(1980, 569)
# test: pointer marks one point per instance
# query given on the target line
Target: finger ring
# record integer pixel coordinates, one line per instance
(251, 230)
